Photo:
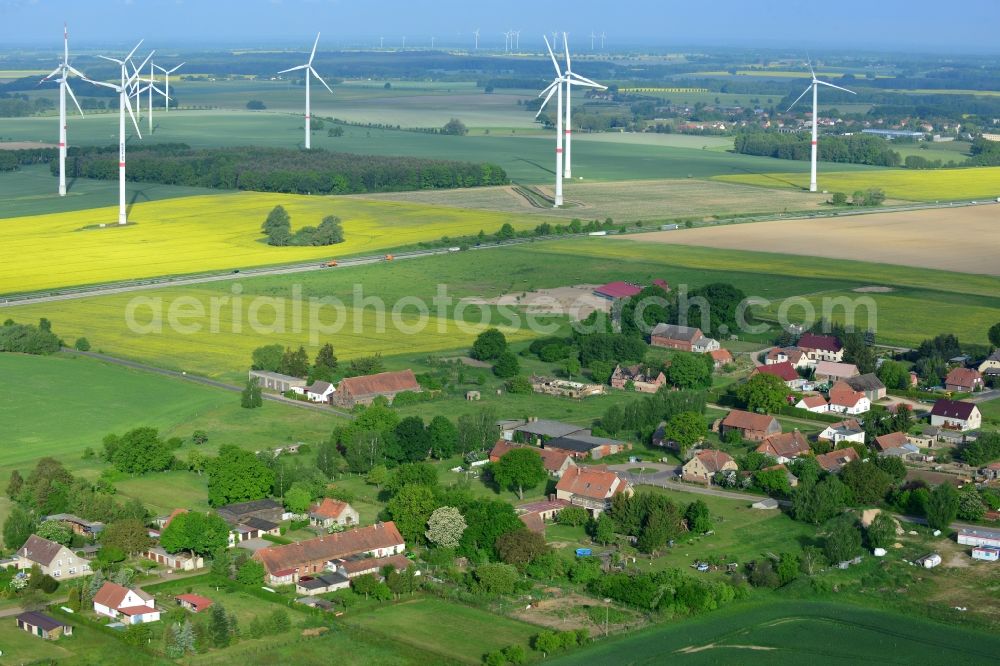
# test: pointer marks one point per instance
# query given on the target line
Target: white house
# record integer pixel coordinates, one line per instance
(956, 415)
(845, 400)
(813, 403)
(844, 431)
(317, 391)
(52, 558)
(130, 606)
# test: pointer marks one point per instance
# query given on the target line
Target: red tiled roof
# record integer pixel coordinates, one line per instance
(330, 547)
(713, 459)
(828, 343)
(784, 371)
(398, 562)
(662, 284)
(741, 420)
(843, 395)
(199, 602)
(834, 460)
(590, 483)
(953, 409)
(618, 289)
(893, 440)
(173, 514)
(552, 459)
(813, 401)
(721, 355)
(382, 383)
(964, 377)
(534, 522)
(329, 508)
(137, 610)
(785, 445)
(112, 594)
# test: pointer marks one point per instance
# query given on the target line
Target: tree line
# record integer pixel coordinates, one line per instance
(857, 149)
(281, 170)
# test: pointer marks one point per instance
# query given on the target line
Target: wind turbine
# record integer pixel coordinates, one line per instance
(476, 33)
(149, 88)
(123, 103)
(603, 35)
(593, 36)
(573, 79)
(166, 80)
(64, 70)
(555, 88)
(814, 86)
(517, 41)
(308, 67)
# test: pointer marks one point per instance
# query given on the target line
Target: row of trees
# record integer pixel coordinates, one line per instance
(28, 338)
(857, 149)
(278, 228)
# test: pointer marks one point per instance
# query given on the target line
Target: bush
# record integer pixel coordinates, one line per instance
(82, 344)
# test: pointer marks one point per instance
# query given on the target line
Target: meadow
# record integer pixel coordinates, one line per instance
(910, 185)
(86, 646)
(793, 631)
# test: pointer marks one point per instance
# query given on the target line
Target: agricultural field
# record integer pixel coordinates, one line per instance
(907, 184)
(214, 232)
(799, 631)
(909, 238)
(455, 632)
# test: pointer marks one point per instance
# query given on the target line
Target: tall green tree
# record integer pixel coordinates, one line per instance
(141, 450)
(413, 438)
(410, 509)
(195, 532)
(843, 541)
(506, 365)
(763, 393)
(519, 469)
(236, 475)
(487, 521)
(942, 506)
(444, 437)
(881, 531)
(489, 345)
(17, 528)
(128, 534)
(686, 428)
(252, 397)
(267, 358)
(690, 371)
(445, 527)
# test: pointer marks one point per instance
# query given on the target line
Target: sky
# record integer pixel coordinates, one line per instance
(869, 25)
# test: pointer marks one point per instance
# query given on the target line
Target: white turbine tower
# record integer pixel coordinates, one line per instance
(573, 79)
(149, 88)
(64, 70)
(593, 36)
(555, 88)
(476, 33)
(814, 86)
(308, 67)
(166, 82)
(603, 35)
(123, 90)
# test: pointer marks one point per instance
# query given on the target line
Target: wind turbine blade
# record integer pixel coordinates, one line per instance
(585, 80)
(73, 97)
(566, 46)
(114, 60)
(103, 84)
(175, 68)
(811, 70)
(292, 69)
(321, 80)
(830, 85)
(75, 71)
(549, 87)
(313, 54)
(128, 105)
(552, 55)
(132, 52)
(552, 92)
(799, 97)
(54, 72)
(140, 68)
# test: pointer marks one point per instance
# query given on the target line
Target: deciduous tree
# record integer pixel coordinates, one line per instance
(518, 469)
(445, 527)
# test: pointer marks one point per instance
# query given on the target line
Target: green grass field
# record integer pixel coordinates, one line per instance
(86, 646)
(794, 632)
(455, 632)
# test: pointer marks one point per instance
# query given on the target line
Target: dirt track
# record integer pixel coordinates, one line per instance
(964, 239)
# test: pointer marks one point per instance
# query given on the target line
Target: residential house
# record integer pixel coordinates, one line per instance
(793, 355)
(849, 430)
(752, 427)
(720, 357)
(614, 291)
(236, 514)
(273, 381)
(591, 488)
(52, 558)
(87, 528)
(813, 403)
(835, 460)
(318, 391)
(128, 605)
(533, 522)
(956, 415)
(991, 363)
(330, 581)
(783, 371)
(193, 602)
(991, 472)
(177, 561)
(332, 512)
(869, 384)
(979, 536)
(546, 509)
(684, 338)
(364, 389)
(963, 380)
(287, 563)
(353, 567)
(705, 464)
(252, 528)
(785, 446)
(832, 372)
(821, 347)
(896, 445)
(556, 462)
(535, 431)
(642, 382)
(580, 445)
(845, 400)
(43, 626)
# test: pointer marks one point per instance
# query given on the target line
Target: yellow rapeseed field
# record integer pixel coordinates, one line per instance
(213, 232)
(923, 185)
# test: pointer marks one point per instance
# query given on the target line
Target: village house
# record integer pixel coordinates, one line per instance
(239, 513)
(684, 338)
(991, 365)
(821, 347)
(835, 460)
(43, 626)
(845, 400)
(849, 430)
(793, 355)
(332, 512)
(580, 445)
(556, 462)
(752, 427)
(963, 380)
(591, 488)
(535, 431)
(956, 415)
(785, 446)
(52, 558)
(831, 372)
(813, 403)
(543, 510)
(318, 391)
(193, 602)
(720, 357)
(285, 564)
(783, 371)
(252, 528)
(273, 381)
(364, 389)
(705, 464)
(640, 381)
(895, 445)
(322, 583)
(127, 605)
(86, 528)
(869, 384)
(177, 561)
(991, 472)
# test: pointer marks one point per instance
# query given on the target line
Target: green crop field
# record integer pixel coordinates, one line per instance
(921, 185)
(794, 632)
(455, 632)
